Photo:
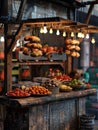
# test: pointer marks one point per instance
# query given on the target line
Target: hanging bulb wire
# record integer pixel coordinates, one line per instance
(45, 29)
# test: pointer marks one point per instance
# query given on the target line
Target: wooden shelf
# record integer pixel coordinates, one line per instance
(39, 63)
(61, 63)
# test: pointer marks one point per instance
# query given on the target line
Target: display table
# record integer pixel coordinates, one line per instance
(53, 112)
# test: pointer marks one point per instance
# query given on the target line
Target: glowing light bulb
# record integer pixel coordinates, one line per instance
(64, 34)
(58, 32)
(72, 34)
(87, 36)
(51, 31)
(2, 39)
(41, 30)
(79, 34)
(82, 35)
(93, 41)
(45, 29)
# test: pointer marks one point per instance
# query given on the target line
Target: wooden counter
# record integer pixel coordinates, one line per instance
(54, 112)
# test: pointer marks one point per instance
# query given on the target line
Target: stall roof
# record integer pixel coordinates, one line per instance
(58, 23)
(53, 22)
(68, 3)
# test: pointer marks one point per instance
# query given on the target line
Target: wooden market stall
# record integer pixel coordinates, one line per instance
(24, 26)
(53, 111)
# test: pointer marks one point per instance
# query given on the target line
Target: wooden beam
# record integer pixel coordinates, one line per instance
(15, 38)
(89, 13)
(21, 9)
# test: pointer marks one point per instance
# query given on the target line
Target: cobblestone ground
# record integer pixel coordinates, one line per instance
(96, 125)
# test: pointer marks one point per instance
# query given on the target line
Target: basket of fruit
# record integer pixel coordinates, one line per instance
(77, 84)
(51, 85)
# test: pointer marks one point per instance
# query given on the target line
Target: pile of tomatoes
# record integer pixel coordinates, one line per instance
(17, 92)
(33, 90)
(63, 77)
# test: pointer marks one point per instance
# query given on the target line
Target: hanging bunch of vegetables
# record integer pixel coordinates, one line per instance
(72, 47)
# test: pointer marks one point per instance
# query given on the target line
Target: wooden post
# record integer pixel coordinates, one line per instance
(69, 64)
(89, 13)
(7, 62)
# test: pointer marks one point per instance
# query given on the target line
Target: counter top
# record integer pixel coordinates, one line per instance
(29, 101)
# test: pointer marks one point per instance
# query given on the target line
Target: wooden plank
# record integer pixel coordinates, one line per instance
(21, 9)
(40, 118)
(89, 13)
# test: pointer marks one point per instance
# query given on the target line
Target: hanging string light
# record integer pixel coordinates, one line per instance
(82, 35)
(51, 31)
(93, 40)
(64, 34)
(45, 29)
(79, 35)
(72, 34)
(87, 36)
(57, 32)
(41, 30)
(2, 39)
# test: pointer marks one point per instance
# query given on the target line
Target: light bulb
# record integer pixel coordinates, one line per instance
(93, 41)
(58, 32)
(2, 39)
(72, 34)
(79, 34)
(82, 35)
(45, 29)
(64, 34)
(87, 36)
(51, 31)
(41, 30)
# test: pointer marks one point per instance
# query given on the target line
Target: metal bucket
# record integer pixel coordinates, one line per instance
(87, 122)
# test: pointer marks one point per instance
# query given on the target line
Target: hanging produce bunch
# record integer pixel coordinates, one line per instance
(33, 47)
(72, 47)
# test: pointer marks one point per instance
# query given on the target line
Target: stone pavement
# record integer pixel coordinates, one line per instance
(96, 125)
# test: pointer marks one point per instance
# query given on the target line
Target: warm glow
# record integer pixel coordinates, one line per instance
(93, 41)
(51, 31)
(2, 39)
(58, 32)
(79, 34)
(45, 29)
(41, 30)
(87, 36)
(72, 34)
(82, 35)
(64, 34)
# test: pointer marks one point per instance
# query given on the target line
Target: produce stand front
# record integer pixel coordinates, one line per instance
(56, 111)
